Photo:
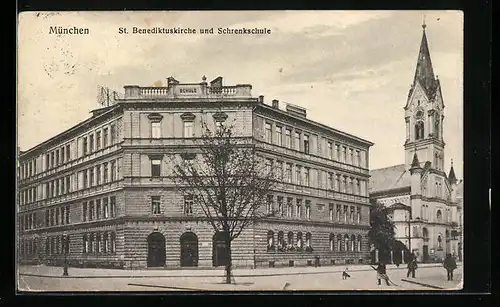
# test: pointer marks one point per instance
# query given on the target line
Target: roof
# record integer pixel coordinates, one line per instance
(389, 178)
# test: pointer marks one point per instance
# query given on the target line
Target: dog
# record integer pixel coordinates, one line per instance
(345, 275)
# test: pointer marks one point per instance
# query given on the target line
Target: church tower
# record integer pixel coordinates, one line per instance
(424, 113)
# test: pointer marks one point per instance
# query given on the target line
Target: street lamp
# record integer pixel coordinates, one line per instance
(65, 245)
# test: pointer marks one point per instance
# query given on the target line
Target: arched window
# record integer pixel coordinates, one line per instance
(440, 241)
(425, 233)
(105, 242)
(353, 243)
(419, 130)
(281, 240)
(85, 244)
(270, 240)
(308, 240)
(113, 242)
(436, 127)
(332, 239)
(300, 242)
(358, 243)
(91, 243)
(290, 239)
(439, 216)
(346, 242)
(339, 243)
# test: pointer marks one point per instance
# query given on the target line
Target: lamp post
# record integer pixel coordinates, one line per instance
(66, 245)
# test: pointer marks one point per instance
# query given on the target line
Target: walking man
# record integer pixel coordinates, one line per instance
(450, 265)
(412, 266)
(382, 273)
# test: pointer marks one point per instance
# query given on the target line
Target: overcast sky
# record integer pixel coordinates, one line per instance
(351, 69)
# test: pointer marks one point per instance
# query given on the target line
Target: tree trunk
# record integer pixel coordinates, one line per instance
(229, 262)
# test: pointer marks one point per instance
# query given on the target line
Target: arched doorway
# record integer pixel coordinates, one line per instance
(219, 250)
(156, 250)
(189, 249)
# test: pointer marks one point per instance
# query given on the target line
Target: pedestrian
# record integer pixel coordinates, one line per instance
(345, 275)
(412, 265)
(449, 264)
(382, 274)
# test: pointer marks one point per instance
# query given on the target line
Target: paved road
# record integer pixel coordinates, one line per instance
(320, 281)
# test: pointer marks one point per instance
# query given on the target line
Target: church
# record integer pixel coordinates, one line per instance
(426, 202)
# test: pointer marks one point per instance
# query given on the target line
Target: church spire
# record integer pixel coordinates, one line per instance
(424, 73)
(451, 177)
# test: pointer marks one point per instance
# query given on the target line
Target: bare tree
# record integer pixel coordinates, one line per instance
(228, 181)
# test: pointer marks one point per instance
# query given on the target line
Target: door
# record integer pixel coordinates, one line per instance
(219, 250)
(156, 250)
(189, 250)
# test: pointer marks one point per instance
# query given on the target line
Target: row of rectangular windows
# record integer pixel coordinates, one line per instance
(99, 243)
(336, 182)
(62, 155)
(342, 153)
(102, 174)
(57, 216)
(187, 131)
(343, 242)
(27, 221)
(99, 209)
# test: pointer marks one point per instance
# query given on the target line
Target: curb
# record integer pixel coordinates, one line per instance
(211, 276)
(422, 284)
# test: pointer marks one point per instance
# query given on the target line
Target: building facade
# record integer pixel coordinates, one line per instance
(102, 193)
(423, 197)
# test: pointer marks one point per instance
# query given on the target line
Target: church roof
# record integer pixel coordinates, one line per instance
(451, 177)
(389, 178)
(415, 163)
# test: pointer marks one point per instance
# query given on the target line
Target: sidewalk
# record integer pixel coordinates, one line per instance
(56, 272)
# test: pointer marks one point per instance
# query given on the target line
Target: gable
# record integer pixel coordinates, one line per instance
(417, 93)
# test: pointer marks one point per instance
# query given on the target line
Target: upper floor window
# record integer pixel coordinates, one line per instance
(155, 167)
(308, 209)
(279, 170)
(62, 155)
(289, 207)
(270, 199)
(188, 204)
(91, 142)
(298, 172)
(105, 172)
(278, 135)
(113, 170)
(330, 212)
(85, 145)
(288, 173)
(419, 130)
(297, 141)
(306, 176)
(155, 130)
(269, 133)
(68, 152)
(98, 140)
(155, 204)
(306, 143)
(298, 210)
(344, 154)
(288, 138)
(439, 216)
(105, 137)
(330, 150)
(337, 150)
(52, 162)
(188, 129)
(112, 132)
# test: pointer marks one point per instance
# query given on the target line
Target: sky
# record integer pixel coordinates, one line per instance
(351, 70)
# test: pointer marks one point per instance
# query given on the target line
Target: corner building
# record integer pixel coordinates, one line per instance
(102, 193)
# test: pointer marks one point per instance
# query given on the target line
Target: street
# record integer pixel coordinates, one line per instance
(306, 279)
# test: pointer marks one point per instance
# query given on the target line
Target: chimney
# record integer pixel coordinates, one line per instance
(261, 99)
(276, 104)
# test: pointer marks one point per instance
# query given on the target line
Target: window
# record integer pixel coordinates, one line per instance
(288, 138)
(68, 184)
(346, 212)
(91, 210)
(98, 209)
(112, 204)
(85, 145)
(290, 239)
(330, 151)
(270, 240)
(419, 130)
(113, 242)
(358, 215)
(279, 169)
(298, 175)
(278, 135)
(91, 176)
(105, 241)
(85, 181)
(98, 243)
(112, 132)
(105, 172)
(353, 243)
(357, 189)
(67, 214)
(68, 153)
(62, 215)
(188, 204)
(281, 209)
(156, 130)
(105, 207)
(57, 160)
(338, 213)
(269, 204)
(358, 243)
(155, 167)
(52, 162)
(188, 129)
(84, 211)
(269, 166)
(298, 209)
(440, 242)
(269, 133)
(308, 209)
(300, 243)
(62, 155)
(113, 170)
(91, 142)
(439, 216)
(332, 239)
(306, 176)
(297, 141)
(351, 157)
(98, 140)
(281, 240)
(105, 137)
(308, 240)
(289, 207)
(98, 174)
(330, 212)
(344, 154)
(288, 173)
(346, 242)
(320, 179)
(306, 143)
(91, 244)
(155, 204)
(46, 218)
(352, 215)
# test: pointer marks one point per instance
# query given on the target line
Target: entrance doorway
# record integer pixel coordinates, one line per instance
(189, 250)
(156, 250)
(219, 250)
